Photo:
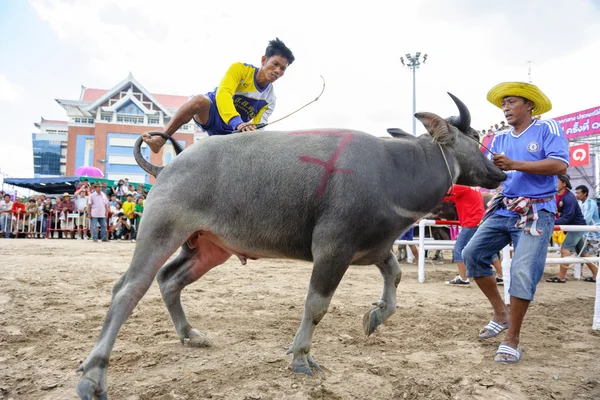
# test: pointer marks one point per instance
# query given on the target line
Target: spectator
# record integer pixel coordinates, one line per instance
(5, 215)
(410, 235)
(569, 213)
(39, 225)
(591, 239)
(129, 208)
(469, 207)
(140, 191)
(113, 200)
(31, 217)
(61, 215)
(98, 208)
(123, 228)
(114, 217)
(121, 190)
(132, 191)
(18, 216)
(138, 211)
(80, 199)
(47, 210)
(107, 190)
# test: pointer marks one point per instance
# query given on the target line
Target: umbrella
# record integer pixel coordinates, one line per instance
(89, 171)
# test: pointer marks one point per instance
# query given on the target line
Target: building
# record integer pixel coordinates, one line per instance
(49, 148)
(103, 125)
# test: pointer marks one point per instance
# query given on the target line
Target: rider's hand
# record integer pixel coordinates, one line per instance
(503, 162)
(246, 127)
(154, 142)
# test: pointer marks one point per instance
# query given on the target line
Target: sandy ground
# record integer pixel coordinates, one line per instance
(54, 295)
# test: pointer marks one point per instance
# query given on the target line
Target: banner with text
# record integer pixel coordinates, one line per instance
(581, 123)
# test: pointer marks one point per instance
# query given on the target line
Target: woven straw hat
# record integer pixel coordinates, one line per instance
(541, 102)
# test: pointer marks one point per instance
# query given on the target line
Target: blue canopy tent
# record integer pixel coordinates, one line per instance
(59, 185)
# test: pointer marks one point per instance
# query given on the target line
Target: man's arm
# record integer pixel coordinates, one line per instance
(225, 92)
(568, 211)
(554, 146)
(549, 166)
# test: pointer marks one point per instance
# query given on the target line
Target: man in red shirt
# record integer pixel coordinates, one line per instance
(18, 215)
(469, 207)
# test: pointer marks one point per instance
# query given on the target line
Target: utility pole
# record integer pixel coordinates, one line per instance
(413, 62)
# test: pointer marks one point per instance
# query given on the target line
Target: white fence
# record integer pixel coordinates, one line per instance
(428, 244)
(48, 225)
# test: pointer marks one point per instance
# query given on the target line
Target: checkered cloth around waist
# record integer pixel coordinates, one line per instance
(523, 206)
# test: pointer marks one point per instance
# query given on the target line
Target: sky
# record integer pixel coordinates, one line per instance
(49, 48)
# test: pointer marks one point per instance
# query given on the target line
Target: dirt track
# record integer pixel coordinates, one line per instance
(54, 295)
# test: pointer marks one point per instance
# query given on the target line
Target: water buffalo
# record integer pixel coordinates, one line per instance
(331, 196)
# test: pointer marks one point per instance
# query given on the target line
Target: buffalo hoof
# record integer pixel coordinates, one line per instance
(197, 339)
(88, 390)
(302, 369)
(372, 319)
(305, 365)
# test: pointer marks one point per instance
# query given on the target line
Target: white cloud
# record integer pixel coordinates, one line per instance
(10, 92)
(184, 47)
(14, 163)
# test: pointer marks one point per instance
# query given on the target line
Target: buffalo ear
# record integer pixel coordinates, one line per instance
(437, 127)
(398, 133)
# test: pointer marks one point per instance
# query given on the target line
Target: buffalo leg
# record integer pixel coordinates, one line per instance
(186, 268)
(386, 306)
(326, 276)
(127, 292)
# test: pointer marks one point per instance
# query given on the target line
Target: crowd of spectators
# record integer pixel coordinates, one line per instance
(68, 216)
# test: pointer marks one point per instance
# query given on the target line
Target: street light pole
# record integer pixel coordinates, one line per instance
(413, 62)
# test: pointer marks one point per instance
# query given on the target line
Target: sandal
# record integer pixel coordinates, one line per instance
(493, 329)
(555, 279)
(589, 279)
(508, 351)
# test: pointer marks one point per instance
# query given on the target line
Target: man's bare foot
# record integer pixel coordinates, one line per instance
(154, 142)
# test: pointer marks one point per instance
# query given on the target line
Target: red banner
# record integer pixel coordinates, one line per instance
(582, 123)
(579, 154)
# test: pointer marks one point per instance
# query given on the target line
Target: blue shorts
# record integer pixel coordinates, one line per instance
(529, 258)
(573, 242)
(215, 125)
(409, 234)
(462, 240)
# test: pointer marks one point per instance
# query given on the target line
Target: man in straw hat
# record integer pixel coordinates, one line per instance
(533, 152)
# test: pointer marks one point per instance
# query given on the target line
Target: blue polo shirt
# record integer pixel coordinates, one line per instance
(539, 141)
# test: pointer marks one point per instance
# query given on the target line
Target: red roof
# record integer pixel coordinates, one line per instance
(167, 100)
(171, 101)
(92, 95)
(54, 122)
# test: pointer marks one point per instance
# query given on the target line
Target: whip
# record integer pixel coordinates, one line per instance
(260, 126)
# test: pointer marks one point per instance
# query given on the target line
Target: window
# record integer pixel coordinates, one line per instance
(130, 119)
(79, 120)
(106, 117)
(185, 127)
(123, 160)
(153, 120)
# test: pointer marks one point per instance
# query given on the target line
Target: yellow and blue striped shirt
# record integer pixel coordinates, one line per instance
(239, 99)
